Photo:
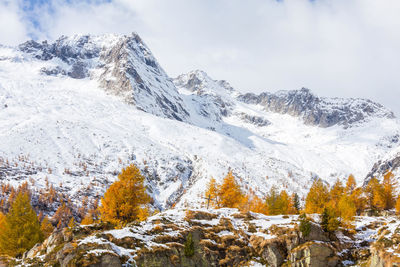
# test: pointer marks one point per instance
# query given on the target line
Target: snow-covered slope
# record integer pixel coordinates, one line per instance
(78, 110)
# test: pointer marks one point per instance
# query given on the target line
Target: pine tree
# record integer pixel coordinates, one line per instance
(272, 201)
(126, 199)
(317, 198)
(21, 228)
(329, 221)
(296, 202)
(229, 193)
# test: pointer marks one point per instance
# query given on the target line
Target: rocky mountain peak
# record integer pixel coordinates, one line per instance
(318, 111)
(199, 82)
(126, 65)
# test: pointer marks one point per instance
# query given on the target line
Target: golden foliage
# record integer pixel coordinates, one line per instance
(20, 228)
(46, 227)
(317, 197)
(212, 193)
(126, 199)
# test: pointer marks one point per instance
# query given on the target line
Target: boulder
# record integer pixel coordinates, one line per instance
(314, 254)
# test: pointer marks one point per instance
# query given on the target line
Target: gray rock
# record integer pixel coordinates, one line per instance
(314, 254)
(318, 111)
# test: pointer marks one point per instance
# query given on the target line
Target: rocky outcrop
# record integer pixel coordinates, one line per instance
(212, 97)
(314, 254)
(383, 166)
(126, 66)
(193, 238)
(131, 71)
(222, 237)
(318, 111)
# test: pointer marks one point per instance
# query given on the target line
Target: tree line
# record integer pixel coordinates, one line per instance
(126, 200)
(338, 204)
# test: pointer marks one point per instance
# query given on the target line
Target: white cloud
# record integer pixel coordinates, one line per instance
(12, 26)
(344, 48)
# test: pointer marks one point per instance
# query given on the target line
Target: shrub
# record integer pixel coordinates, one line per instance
(189, 246)
(305, 225)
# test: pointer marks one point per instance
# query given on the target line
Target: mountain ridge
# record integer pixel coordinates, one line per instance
(104, 101)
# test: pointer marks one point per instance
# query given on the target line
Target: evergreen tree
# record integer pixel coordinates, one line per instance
(296, 202)
(329, 222)
(189, 246)
(126, 199)
(21, 230)
(272, 202)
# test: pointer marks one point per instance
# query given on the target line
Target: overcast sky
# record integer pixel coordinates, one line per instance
(346, 48)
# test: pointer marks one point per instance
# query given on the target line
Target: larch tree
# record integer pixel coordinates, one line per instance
(388, 190)
(335, 195)
(350, 184)
(257, 205)
(212, 193)
(398, 205)
(373, 190)
(126, 199)
(62, 216)
(317, 198)
(229, 193)
(347, 208)
(21, 229)
(46, 227)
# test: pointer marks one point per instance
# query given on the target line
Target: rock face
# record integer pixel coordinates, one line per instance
(382, 166)
(126, 66)
(318, 111)
(213, 98)
(223, 237)
(191, 238)
(314, 254)
(131, 71)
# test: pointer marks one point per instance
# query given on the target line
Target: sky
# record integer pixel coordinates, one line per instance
(343, 48)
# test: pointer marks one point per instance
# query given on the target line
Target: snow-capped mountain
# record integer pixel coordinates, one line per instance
(78, 110)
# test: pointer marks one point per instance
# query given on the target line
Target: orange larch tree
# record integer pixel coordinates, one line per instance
(229, 193)
(126, 199)
(317, 198)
